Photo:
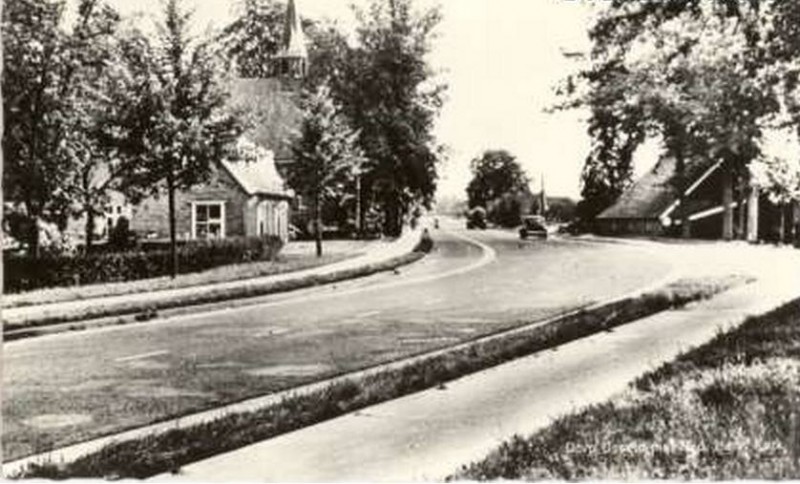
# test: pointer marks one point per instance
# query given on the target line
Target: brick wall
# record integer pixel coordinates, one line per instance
(152, 215)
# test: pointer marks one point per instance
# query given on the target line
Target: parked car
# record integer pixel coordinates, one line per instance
(533, 226)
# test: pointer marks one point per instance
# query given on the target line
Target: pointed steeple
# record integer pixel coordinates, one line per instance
(293, 56)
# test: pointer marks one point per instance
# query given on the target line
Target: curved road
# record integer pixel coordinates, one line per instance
(71, 387)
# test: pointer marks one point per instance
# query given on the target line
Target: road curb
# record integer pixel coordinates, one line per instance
(71, 453)
(119, 311)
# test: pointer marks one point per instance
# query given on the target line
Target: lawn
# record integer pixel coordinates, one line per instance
(729, 409)
(292, 260)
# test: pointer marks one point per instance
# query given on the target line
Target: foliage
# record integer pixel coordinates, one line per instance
(175, 123)
(28, 327)
(500, 185)
(495, 174)
(387, 90)
(49, 77)
(506, 211)
(726, 410)
(253, 39)
(780, 178)
(383, 84)
(326, 156)
(25, 273)
(697, 75)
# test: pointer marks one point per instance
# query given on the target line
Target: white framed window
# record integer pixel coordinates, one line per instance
(208, 220)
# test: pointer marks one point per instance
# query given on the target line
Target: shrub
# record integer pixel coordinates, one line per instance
(25, 273)
(121, 237)
(425, 244)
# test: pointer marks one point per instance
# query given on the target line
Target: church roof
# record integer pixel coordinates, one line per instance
(257, 176)
(276, 116)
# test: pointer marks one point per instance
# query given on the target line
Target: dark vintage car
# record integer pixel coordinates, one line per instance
(476, 219)
(533, 226)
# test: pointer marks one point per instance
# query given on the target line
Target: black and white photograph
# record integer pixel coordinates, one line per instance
(400, 240)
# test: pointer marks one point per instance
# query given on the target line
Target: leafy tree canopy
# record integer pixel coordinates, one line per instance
(494, 174)
(701, 76)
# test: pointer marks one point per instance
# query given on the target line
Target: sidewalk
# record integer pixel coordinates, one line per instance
(428, 435)
(76, 310)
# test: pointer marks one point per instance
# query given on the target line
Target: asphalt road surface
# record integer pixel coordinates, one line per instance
(66, 388)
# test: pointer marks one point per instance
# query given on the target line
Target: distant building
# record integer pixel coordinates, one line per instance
(651, 206)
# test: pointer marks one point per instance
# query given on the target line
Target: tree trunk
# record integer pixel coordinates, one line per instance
(32, 230)
(782, 227)
(752, 215)
(394, 224)
(89, 229)
(727, 203)
(34, 246)
(358, 218)
(686, 223)
(741, 226)
(173, 236)
(318, 224)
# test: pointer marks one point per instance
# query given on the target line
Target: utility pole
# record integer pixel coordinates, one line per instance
(542, 198)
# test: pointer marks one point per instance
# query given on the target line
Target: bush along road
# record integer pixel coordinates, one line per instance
(168, 451)
(120, 311)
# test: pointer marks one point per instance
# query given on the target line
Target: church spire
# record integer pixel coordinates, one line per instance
(293, 56)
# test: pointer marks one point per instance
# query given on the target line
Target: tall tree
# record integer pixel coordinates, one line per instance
(388, 91)
(96, 170)
(685, 71)
(253, 39)
(177, 125)
(494, 174)
(326, 156)
(37, 84)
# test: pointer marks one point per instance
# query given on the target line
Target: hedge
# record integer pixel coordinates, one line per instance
(25, 273)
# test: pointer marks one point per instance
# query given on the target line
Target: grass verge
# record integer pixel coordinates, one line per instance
(233, 272)
(144, 312)
(729, 409)
(167, 452)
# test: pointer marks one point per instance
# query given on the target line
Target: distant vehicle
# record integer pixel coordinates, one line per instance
(533, 226)
(476, 218)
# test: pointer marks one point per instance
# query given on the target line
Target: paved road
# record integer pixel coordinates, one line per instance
(429, 435)
(67, 388)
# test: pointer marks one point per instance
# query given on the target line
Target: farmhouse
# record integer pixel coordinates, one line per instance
(240, 199)
(652, 206)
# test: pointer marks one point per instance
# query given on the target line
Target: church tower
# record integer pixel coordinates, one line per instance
(292, 59)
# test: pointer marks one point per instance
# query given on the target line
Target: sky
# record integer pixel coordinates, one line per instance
(501, 60)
